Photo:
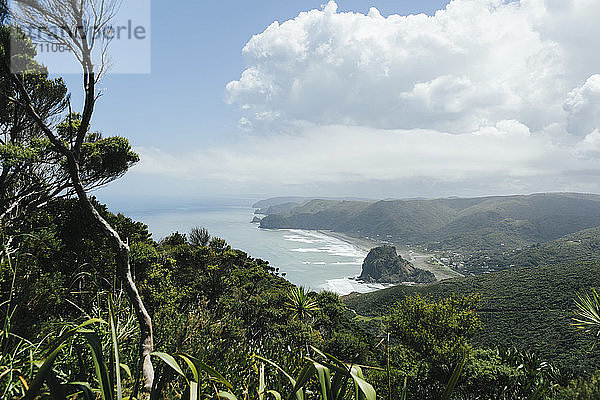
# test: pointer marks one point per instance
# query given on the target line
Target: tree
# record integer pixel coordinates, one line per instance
(428, 341)
(587, 313)
(300, 304)
(81, 155)
(436, 330)
(199, 237)
(30, 172)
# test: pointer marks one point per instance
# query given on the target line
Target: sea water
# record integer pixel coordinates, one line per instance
(307, 258)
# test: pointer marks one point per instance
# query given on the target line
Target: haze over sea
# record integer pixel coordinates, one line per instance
(308, 258)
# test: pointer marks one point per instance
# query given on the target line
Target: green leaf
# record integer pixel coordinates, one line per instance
(125, 368)
(404, 389)
(194, 390)
(95, 344)
(288, 376)
(275, 394)
(227, 395)
(454, 378)
(86, 389)
(115, 346)
(70, 333)
(42, 374)
(303, 377)
(192, 366)
(362, 386)
(299, 394)
(324, 377)
(200, 366)
(53, 349)
(170, 361)
(587, 311)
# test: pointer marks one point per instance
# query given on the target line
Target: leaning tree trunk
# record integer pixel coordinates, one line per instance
(121, 250)
(83, 46)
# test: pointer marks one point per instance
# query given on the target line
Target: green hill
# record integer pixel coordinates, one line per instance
(465, 225)
(316, 214)
(530, 308)
(582, 246)
(279, 200)
(578, 247)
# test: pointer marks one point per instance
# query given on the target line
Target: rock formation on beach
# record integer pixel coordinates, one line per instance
(384, 265)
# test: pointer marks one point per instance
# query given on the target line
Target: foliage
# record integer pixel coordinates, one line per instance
(199, 236)
(28, 169)
(583, 388)
(530, 308)
(102, 160)
(465, 225)
(579, 247)
(218, 306)
(587, 312)
(32, 171)
(429, 342)
(333, 378)
(436, 330)
(299, 303)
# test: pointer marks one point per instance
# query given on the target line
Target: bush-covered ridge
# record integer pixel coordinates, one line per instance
(575, 248)
(485, 223)
(530, 308)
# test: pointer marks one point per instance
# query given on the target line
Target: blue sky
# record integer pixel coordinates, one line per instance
(482, 97)
(196, 51)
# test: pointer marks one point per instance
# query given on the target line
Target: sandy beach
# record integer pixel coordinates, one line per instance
(423, 261)
(360, 243)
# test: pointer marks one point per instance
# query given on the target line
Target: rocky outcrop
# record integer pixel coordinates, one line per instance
(384, 265)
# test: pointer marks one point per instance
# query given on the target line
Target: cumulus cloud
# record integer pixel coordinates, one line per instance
(583, 107)
(506, 93)
(474, 62)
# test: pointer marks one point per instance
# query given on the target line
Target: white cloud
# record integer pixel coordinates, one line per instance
(352, 155)
(589, 147)
(583, 106)
(474, 62)
(486, 93)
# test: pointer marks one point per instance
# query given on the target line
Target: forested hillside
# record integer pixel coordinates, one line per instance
(530, 308)
(575, 248)
(215, 303)
(466, 225)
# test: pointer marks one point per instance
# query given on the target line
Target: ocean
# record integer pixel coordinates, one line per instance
(308, 258)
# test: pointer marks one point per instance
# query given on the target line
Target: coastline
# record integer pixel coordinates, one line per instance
(418, 259)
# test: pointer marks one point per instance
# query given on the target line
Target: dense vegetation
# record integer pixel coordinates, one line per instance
(530, 308)
(464, 225)
(220, 306)
(575, 248)
(384, 265)
(206, 299)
